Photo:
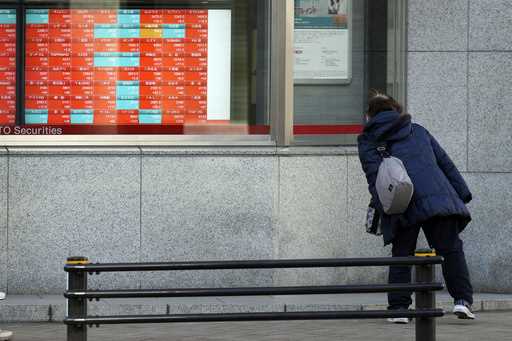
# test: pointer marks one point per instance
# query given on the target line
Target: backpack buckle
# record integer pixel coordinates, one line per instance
(383, 151)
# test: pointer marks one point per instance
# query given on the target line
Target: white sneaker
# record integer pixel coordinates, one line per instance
(2, 295)
(399, 320)
(5, 335)
(463, 312)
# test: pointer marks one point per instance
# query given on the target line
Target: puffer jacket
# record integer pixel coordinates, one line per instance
(439, 188)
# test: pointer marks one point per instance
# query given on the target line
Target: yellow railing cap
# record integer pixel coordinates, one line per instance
(425, 253)
(77, 261)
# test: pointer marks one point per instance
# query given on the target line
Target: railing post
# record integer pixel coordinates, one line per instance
(77, 307)
(425, 326)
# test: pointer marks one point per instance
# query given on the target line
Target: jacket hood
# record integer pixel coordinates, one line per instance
(388, 126)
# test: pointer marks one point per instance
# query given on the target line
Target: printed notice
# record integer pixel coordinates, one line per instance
(321, 54)
(322, 41)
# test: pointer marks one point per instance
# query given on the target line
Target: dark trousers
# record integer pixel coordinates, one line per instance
(443, 235)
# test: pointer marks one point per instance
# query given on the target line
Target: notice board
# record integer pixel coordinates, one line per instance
(323, 43)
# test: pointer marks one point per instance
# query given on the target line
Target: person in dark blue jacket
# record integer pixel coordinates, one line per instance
(438, 205)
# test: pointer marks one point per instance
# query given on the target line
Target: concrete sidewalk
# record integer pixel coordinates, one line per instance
(488, 326)
(52, 308)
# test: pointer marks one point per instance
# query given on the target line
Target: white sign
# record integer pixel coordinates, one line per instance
(219, 65)
(323, 47)
(321, 54)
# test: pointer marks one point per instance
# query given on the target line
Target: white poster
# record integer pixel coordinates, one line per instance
(322, 42)
(219, 65)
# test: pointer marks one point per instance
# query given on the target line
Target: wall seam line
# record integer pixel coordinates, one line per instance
(276, 197)
(7, 223)
(278, 209)
(436, 51)
(455, 51)
(485, 172)
(140, 211)
(340, 273)
(468, 107)
(347, 197)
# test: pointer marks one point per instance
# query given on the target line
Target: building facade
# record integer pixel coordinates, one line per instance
(273, 195)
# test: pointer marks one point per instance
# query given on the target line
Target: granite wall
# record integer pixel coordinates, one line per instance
(154, 204)
(131, 205)
(460, 65)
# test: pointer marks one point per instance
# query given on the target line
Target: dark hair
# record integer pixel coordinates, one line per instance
(379, 102)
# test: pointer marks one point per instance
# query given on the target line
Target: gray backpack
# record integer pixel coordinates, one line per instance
(394, 186)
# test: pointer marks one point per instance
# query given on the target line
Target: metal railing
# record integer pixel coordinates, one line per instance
(78, 269)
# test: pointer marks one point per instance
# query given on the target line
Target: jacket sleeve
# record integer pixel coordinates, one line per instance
(451, 171)
(370, 161)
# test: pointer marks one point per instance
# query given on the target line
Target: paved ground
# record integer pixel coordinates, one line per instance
(488, 327)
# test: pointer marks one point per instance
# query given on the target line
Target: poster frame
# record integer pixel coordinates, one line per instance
(333, 81)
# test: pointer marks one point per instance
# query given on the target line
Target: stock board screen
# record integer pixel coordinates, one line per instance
(7, 66)
(124, 66)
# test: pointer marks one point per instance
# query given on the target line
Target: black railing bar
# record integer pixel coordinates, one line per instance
(261, 291)
(256, 264)
(289, 316)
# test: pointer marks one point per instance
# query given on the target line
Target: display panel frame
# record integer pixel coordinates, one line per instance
(231, 136)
